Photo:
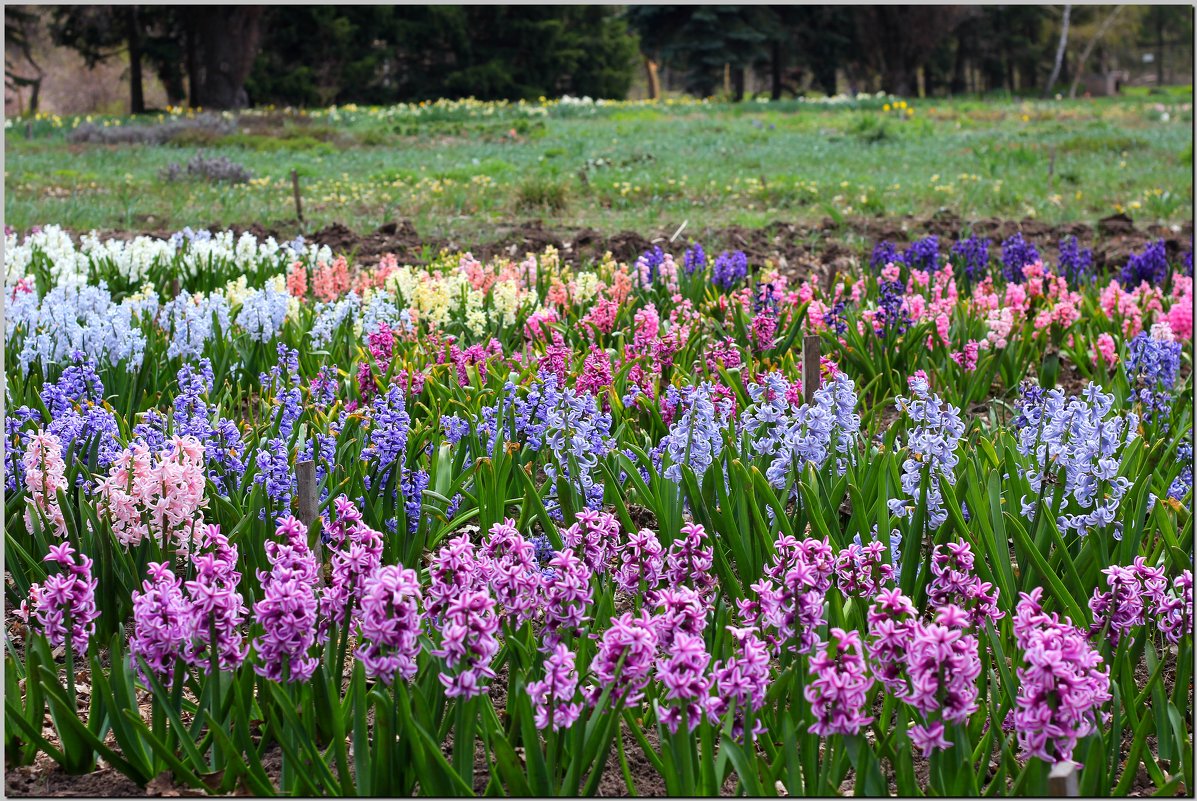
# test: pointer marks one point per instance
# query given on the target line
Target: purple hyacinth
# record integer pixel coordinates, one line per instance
(568, 596)
(64, 607)
(454, 569)
(1175, 611)
(694, 259)
(680, 609)
(217, 608)
(884, 253)
(274, 473)
(553, 698)
(893, 315)
(162, 624)
(974, 254)
(455, 428)
(1075, 263)
(682, 671)
(742, 681)
(391, 622)
(624, 660)
(1151, 266)
(891, 621)
(840, 690)
(649, 265)
(1061, 685)
(1017, 255)
(696, 436)
(1152, 367)
(792, 613)
(468, 644)
(923, 254)
(730, 269)
(287, 609)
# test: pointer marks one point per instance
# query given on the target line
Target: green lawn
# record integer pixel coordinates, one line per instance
(463, 169)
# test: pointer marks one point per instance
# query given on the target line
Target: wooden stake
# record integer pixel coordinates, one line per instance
(305, 473)
(810, 367)
(295, 190)
(1062, 781)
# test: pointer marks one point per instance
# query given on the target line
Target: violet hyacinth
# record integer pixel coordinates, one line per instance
(730, 269)
(162, 624)
(1175, 611)
(1075, 263)
(884, 253)
(553, 697)
(839, 693)
(1124, 607)
(923, 254)
(682, 671)
(742, 681)
(468, 644)
(641, 564)
(974, 253)
(943, 665)
(568, 596)
(694, 259)
(1061, 683)
(931, 444)
(64, 607)
(391, 622)
(696, 437)
(624, 660)
(287, 609)
(217, 608)
(1152, 367)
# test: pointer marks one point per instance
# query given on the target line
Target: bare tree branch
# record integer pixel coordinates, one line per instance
(1101, 31)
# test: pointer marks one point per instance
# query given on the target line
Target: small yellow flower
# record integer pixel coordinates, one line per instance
(885, 107)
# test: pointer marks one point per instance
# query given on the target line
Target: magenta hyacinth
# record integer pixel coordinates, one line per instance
(595, 538)
(553, 697)
(942, 664)
(568, 596)
(641, 564)
(682, 671)
(839, 693)
(453, 570)
(355, 552)
(891, 621)
(162, 624)
(509, 563)
(1061, 684)
(287, 610)
(742, 681)
(468, 643)
(64, 607)
(217, 609)
(955, 582)
(632, 640)
(691, 564)
(391, 623)
(862, 571)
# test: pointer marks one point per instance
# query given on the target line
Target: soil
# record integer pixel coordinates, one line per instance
(799, 249)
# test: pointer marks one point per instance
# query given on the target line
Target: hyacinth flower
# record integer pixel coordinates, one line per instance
(63, 607)
(287, 610)
(163, 625)
(391, 624)
(931, 444)
(1152, 366)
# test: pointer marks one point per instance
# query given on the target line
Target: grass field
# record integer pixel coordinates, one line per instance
(456, 168)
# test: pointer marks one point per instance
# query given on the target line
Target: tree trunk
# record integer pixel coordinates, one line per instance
(654, 79)
(1159, 46)
(193, 96)
(737, 84)
(959, 79)
(1051, 81)
(1080, 65)
(775, 65)
(228, 43)
(133, 36)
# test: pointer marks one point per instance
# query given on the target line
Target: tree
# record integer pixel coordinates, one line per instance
(19, 26)
(897, 40)
(227, 39)
(1051, 81)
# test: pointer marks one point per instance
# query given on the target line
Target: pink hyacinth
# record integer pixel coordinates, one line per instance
(641, 564)
(1106, 349)
(287, 609)
(1061, 683)
(891, 621)
(355, 552)
(157, 498)
(391, 622)
(954, 582)
(596, 372)
(690, 562)
(942, 664)
(162, 624)
(863, 570)
(680, 610)
(453, 570)
(568, 596)
(468, 644)
(840, 690)
(45, 474)
(967, 358)
(64, 607)
(601, 317)
(553, 698)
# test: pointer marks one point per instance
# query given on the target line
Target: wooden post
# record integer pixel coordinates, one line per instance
(810, 367)
(295, 190)
(305, 473)
(1062, 781)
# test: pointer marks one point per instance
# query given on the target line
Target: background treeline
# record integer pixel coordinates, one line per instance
(235, 56)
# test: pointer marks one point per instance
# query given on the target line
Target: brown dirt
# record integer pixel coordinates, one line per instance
(800, 249)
